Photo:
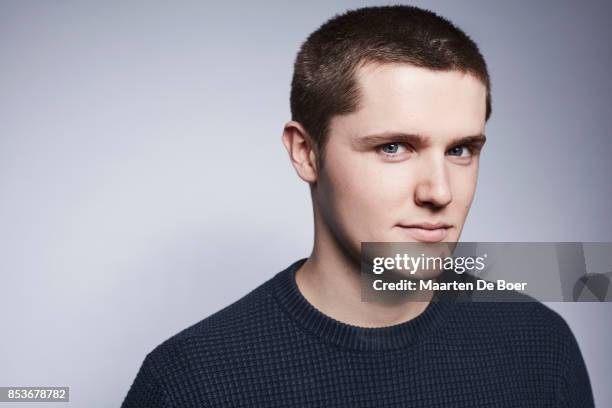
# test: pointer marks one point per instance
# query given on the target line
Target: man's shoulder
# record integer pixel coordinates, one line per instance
(512, 310)
(524, 320)
(247, 308)
(227, 328)
(182, 367)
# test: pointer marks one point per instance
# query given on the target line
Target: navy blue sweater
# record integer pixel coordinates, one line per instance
(272, 348)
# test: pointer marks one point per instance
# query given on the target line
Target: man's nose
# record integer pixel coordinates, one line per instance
(432, 187)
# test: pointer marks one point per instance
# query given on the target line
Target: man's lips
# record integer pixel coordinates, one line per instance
(427, 232)
(427, 225)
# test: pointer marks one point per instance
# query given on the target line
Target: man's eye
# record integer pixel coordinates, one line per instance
(392, 148)
(460, 151)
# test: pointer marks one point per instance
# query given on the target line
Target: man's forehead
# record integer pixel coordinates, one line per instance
(409, 74)
(401, 98)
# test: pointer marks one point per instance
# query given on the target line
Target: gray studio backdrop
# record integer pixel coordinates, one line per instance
(144, 186)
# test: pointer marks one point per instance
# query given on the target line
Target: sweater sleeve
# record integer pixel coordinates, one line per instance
(146, 390)
(575, 388)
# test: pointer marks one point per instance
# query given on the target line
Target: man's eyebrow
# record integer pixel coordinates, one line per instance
(478, 140)
(369, 141)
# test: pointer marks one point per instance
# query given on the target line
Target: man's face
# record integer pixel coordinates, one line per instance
(403, 167)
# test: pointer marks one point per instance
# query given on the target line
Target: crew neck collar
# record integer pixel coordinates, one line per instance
(293, 302)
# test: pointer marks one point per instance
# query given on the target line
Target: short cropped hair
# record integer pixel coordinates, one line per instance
(324, 83)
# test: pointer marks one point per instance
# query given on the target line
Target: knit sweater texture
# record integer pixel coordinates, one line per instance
(272, 348)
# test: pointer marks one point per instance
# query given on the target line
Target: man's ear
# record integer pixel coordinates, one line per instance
(302, 152)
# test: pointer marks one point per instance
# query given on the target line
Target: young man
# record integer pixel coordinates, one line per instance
(389, 106)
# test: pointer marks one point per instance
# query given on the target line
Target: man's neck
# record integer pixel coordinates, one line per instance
(332, 284)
